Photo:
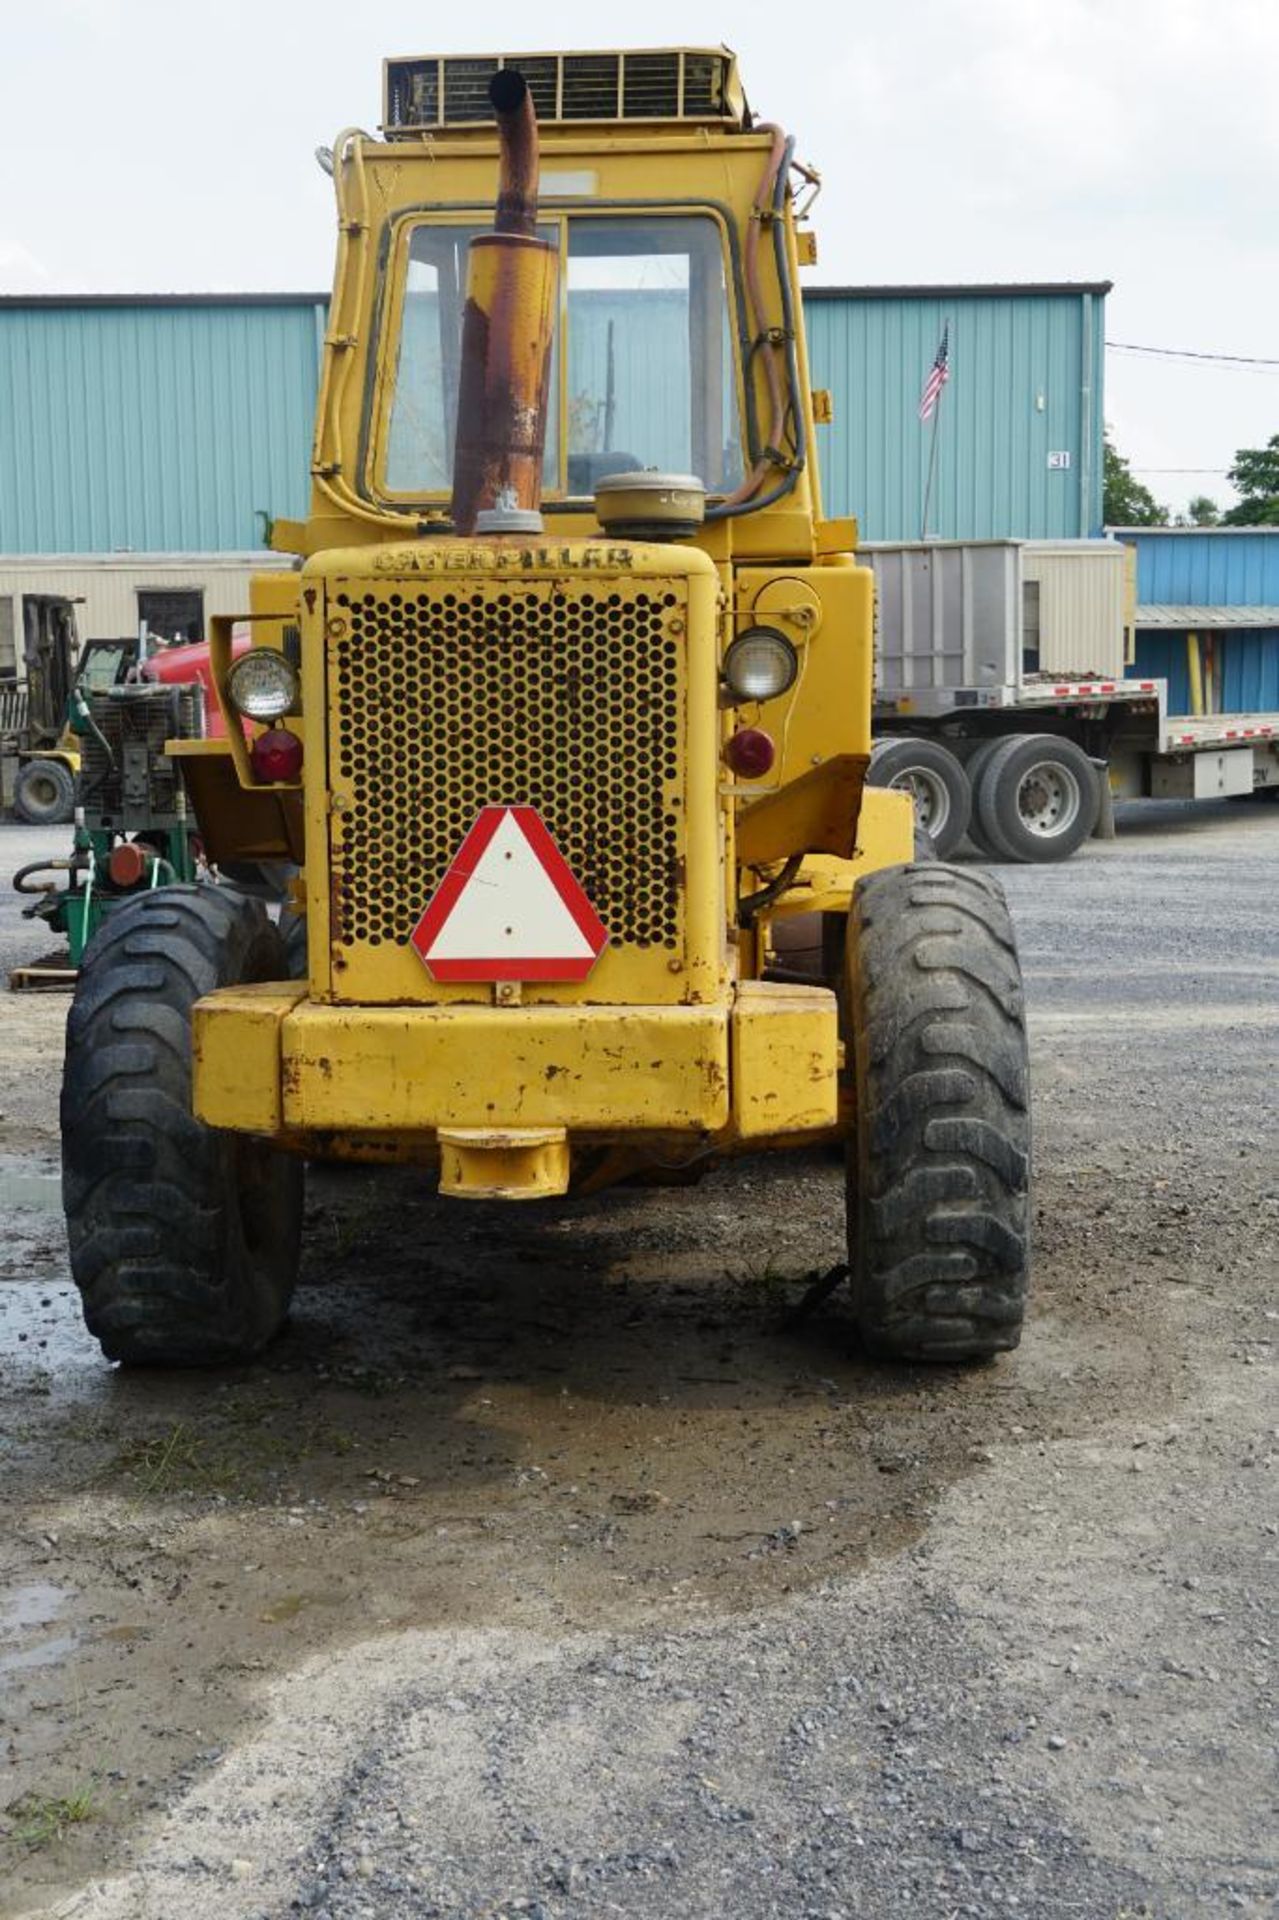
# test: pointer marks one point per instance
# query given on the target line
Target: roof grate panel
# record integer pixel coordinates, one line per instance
(430, 91)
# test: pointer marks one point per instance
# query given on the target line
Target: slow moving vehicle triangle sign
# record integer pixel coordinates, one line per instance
(509, 908)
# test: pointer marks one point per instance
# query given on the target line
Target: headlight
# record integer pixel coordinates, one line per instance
(263, 684)
(760, 664)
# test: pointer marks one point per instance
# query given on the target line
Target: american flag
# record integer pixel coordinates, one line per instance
(938, 375)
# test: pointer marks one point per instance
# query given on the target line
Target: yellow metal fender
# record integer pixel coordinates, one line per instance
(494, 1081)
(785, 1059)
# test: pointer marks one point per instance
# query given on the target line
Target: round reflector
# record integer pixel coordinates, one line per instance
(750, 752)
(276, 755)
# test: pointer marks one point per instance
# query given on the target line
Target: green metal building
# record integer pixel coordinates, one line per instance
(178, 423)
(1018, 424)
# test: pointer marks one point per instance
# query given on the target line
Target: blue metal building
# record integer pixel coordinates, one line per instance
(154, 424)
(1019, 438)
(176, 422)
(1214, 592)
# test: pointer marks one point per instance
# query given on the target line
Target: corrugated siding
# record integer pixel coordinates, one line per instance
(1247, 666)
(1081, 609)
(1212, 568)
(108, 587)
(150, 427)
(1007, 353)
(153, 427)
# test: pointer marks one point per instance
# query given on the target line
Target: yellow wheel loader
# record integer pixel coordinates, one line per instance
(564, 721)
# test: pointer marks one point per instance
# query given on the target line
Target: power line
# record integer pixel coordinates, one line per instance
(1249, 360)
(1137, 469)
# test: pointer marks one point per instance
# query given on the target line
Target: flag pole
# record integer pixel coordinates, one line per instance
(940, 366)
(932, 469)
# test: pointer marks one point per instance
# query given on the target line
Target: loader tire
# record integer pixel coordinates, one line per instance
(44, 793)
(184, 1239)
(938, 1165)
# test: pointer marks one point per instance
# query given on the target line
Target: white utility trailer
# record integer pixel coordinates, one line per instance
(1001, 700)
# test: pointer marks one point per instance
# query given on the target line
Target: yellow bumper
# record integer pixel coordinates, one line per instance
(270, 1061)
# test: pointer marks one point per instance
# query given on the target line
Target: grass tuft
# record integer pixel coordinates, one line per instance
(41, 1819)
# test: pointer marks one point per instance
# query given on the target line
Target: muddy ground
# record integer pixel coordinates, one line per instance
(537, 1570)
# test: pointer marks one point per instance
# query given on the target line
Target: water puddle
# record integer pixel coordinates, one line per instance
(24, 1612)
(23, 1190)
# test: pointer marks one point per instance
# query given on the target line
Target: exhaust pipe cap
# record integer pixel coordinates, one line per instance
(505, 516)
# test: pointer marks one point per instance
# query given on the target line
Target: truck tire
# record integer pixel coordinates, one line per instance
(936, 782)
(44, 793)
(1037, 798)
(974, 767)
(938, 1165)
(184, 1239)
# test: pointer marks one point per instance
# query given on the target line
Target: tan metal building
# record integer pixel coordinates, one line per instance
(1078, 604)
(174, 594)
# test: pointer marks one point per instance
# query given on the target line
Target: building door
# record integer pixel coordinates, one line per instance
(177, 615)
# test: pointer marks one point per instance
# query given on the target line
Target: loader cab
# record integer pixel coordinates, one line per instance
(106, 663)
(678, 332)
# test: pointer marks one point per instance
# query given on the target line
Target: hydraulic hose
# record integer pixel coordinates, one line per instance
(73, 865)
(85, 712)
(747, 498)
(753, 904)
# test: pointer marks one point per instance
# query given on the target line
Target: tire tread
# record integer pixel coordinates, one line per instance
(153, 1222)
(939, 1186)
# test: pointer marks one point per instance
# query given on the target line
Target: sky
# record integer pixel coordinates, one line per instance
(154, 148)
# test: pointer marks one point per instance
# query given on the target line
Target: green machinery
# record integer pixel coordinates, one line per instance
(132, 829)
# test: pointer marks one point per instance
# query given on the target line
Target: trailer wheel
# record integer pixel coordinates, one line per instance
(1037, 798)
(974, 767)
(938, 1165)
(44, 793)
(184, 1239)
(936, 782)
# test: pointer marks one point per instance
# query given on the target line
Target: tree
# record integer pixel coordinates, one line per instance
(1125, 502)
(1200, 512)
(1255, 475)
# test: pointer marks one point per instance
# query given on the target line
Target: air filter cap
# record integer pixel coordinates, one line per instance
(650, 506)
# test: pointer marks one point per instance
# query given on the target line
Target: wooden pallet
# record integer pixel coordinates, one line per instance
(43, 977)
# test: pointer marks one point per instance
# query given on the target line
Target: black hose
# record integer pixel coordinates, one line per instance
(43, 866)
(791, 477)
(753, 904)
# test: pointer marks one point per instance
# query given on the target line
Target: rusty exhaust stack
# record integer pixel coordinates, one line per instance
(506, 331)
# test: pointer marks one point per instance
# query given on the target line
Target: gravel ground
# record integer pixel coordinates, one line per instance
(536, 1572)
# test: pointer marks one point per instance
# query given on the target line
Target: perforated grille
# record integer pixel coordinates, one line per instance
(671, 85)
(459, 698)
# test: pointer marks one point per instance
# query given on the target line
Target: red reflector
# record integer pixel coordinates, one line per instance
(127, 863)
(276, 755)
(750, 752)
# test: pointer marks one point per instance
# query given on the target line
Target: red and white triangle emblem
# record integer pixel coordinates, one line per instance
(509, 908)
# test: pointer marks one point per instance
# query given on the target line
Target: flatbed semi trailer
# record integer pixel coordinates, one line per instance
(977, 716)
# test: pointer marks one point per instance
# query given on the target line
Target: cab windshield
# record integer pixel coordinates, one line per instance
(643, 372)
